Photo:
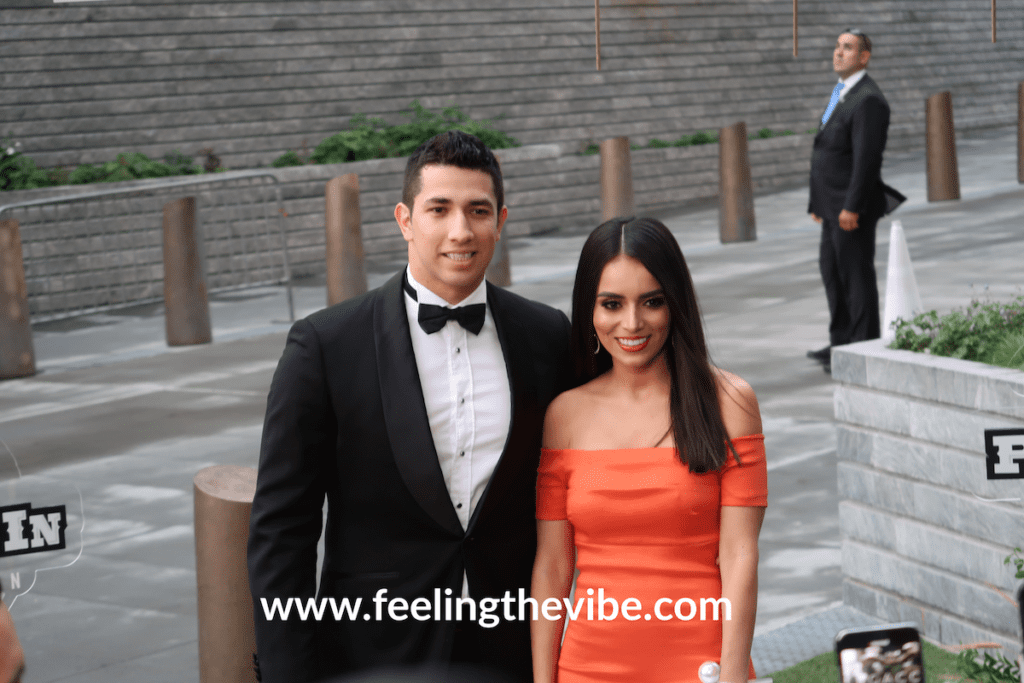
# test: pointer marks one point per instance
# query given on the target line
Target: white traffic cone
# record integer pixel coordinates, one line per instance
(902, 300)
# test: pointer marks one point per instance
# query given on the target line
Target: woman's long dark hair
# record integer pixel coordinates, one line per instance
(697, 426)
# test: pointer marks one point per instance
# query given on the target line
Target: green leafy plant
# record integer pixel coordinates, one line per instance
(766, 133)
(373, 138)
(289, 158)
(990, 333)
(134, 166)
(21, 173)
(8, 162)
(699, 138)
(997, 669)
(1018, 561)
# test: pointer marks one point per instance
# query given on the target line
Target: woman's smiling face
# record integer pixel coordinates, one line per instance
(631, 315)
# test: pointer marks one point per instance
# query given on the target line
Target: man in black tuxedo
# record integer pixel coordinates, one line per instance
(848, 196)
(416, 410)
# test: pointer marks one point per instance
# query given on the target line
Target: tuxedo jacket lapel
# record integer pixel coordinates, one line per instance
(405, 412)
(514, 350)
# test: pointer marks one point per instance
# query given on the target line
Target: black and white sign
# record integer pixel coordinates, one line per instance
(24, 529)
(1005, 451)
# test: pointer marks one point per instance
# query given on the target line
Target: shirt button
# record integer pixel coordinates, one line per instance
(462, 401)
(459, 506)
(457, 349)
(462, 453)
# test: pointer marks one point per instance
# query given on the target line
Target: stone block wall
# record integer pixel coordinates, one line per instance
(923, 539)
(547, 187)
(251, 79)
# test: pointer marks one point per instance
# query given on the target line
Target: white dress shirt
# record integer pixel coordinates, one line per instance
(467, 397)
(848, 84)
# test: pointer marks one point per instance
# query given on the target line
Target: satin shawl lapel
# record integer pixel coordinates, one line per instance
(405, 413)
(518, 362)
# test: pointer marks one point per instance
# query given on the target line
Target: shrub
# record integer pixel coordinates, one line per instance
(698, 138)
(986, 332)
(134, 166)
(372, 138)
(289, 158)
(21, 173)
(990, 669)
(702, 138)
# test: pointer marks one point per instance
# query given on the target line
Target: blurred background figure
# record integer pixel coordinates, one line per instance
(12, 658)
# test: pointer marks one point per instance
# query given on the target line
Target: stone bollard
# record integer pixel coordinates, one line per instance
(17, 357)
(346, 273)
(499, 272)
(227, 636)
(616, 179)
(735, 188)
(186, 310)
(1020, 145)
(940, 144)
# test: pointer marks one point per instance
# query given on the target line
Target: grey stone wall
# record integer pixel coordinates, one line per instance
(82, 82)
(919, 542)
(547, 187)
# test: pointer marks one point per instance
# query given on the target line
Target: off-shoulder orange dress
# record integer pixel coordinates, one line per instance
(645, 528)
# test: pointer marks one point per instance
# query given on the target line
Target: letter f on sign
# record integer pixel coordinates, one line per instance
(1005, 451)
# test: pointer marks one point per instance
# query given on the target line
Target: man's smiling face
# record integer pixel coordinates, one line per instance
(451, 230)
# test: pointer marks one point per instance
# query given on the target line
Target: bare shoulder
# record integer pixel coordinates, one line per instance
(738, 403)
(564, 416)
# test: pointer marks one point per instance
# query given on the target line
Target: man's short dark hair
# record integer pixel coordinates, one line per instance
(452, 148)
(862, 38)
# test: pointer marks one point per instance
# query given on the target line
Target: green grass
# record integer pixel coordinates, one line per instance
(823, 668)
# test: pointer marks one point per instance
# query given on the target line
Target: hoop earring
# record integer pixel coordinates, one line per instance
(598, 342)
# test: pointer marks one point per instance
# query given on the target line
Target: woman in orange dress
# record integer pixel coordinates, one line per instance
(669, 535)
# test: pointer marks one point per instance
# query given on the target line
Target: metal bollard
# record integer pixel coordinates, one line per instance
(227, 636)
(940, 142)
(1020, 143)
(186, 310)
(616, 179)
(17, 357)
(735, 189)
(346, 273)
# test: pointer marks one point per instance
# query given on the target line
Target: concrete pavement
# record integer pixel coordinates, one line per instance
(120, 418)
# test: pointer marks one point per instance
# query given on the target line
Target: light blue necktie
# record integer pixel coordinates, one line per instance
(832, 103)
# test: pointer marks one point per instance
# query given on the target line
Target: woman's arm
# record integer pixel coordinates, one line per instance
(737, 552)
(738, 533)
(552, 578)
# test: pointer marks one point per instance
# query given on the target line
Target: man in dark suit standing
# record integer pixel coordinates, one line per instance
(848, 196)
(416, 410)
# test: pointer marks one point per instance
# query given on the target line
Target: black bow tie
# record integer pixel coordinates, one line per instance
(432, 318)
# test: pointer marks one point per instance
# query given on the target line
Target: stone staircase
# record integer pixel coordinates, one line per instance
(85, 81)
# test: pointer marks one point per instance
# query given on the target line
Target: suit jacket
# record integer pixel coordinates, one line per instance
(846, 163)
(346, 420)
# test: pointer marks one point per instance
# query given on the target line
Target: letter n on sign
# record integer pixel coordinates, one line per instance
(1005, 451)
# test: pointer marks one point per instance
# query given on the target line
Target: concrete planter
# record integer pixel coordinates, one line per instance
(547, 187)
(919, 543)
